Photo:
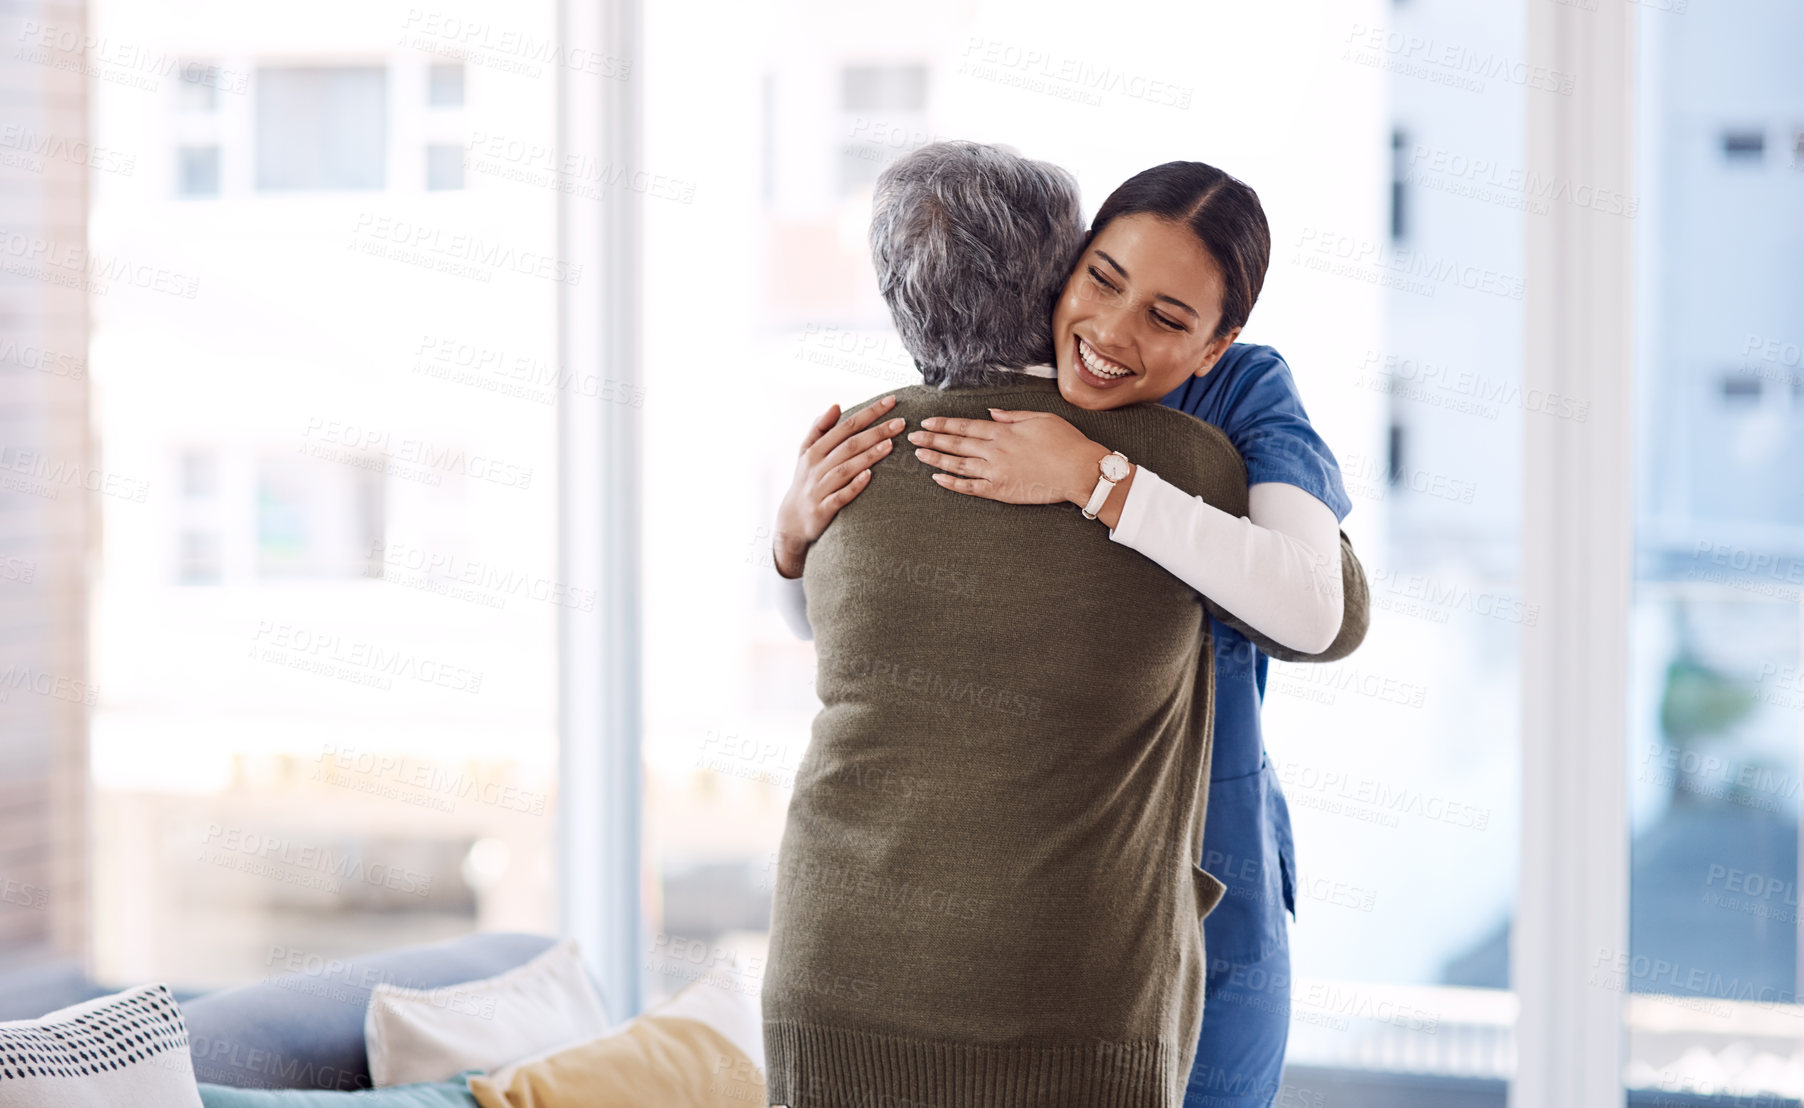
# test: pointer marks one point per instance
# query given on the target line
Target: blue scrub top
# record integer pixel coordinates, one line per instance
(1252, 397)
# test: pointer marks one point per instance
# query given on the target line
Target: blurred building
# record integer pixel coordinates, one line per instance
(324, 641)
(1718, 207)
(46, 528)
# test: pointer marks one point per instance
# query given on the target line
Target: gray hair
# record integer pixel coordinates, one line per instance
(972, 244)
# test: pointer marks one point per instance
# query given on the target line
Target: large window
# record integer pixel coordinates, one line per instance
(280, 521)
(1400, 763)
(324, 638)
(1709, 976)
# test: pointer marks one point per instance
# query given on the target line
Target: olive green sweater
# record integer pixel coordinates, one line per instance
(987, 893)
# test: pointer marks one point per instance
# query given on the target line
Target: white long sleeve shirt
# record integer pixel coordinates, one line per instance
(1278, 568)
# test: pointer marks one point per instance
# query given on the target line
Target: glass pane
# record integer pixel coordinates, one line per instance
(1400, 763)
(444, 167)
(199, 90)
(445, 85)
(322, 127)
(324, 639)
(198, 171)
(1710, 976)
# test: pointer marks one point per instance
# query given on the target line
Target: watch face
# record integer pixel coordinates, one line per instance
(1114, 467)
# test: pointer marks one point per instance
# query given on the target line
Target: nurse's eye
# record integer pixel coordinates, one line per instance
(1168, 322)
(1096, 276)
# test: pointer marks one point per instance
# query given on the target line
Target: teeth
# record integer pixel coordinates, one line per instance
(1095, 364)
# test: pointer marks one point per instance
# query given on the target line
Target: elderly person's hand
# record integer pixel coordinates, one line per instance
(834, 466)
(1022, 457)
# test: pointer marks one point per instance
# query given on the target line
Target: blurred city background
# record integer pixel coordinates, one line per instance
(294, 686)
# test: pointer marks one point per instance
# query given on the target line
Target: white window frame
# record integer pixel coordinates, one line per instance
(1577, 542)
(600, 718)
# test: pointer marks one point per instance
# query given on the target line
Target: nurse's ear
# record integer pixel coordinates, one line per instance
(1213, 352)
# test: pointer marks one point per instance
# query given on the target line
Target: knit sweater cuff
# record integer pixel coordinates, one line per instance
(811, 1065)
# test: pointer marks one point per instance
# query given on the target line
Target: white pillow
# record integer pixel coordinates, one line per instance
(703, 1048)
(128, 1048)
(435, 1034)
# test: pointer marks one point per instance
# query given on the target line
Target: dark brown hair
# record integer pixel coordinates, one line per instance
(1222, 211)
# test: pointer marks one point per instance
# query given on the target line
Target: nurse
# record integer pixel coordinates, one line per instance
(1173, 264)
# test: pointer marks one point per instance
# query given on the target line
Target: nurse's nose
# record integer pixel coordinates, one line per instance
(1111, 331)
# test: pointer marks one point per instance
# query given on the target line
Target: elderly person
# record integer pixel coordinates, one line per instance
(988, 892)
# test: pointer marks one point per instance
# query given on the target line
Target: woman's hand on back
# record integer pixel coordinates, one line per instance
(1019, 457)
(833, 467)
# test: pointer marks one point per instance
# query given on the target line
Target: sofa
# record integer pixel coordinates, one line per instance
(304, 1029)
(489, 1020)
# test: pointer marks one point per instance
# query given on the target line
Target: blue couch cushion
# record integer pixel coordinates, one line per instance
(304, 1029)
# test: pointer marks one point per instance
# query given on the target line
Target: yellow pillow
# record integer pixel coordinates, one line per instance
(702, 1049)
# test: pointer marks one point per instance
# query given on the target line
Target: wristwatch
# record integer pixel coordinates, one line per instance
(1114, 470)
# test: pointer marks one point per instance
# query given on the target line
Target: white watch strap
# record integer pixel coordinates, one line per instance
(1098, 495)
